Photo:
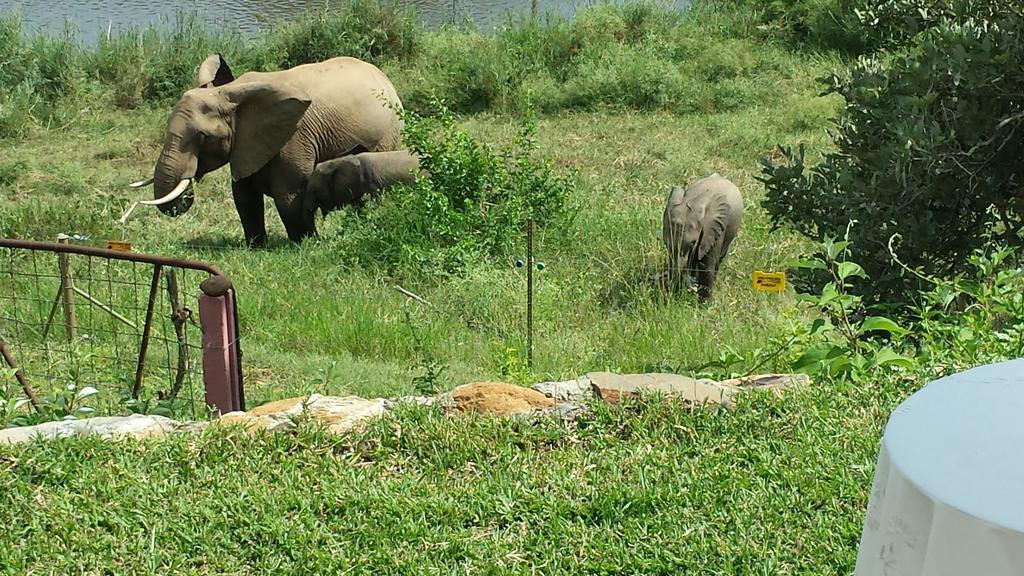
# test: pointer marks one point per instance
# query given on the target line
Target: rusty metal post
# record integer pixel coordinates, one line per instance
(140, 370)
(67, 290)
(529, 293)
(178, 317)
(20, 375)
(222, 373)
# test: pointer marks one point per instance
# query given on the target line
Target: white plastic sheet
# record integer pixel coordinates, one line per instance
(948, 492)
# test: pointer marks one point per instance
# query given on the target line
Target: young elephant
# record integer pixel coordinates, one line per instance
(348, 180)
(698, 225)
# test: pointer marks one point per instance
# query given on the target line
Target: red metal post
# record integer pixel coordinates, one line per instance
(222, 376)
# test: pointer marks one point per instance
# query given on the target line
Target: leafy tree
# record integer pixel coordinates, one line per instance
(928, 146)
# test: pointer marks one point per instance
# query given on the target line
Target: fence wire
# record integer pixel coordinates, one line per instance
(92, 329)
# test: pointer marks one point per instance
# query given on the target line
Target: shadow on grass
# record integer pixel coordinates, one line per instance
(219, 243)
(635, 286)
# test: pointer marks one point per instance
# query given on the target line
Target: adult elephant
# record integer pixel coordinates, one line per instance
(273, 128)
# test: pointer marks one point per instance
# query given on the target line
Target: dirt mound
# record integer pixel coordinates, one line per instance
(497, 398)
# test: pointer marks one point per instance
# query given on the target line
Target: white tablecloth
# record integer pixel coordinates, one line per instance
(948, 493)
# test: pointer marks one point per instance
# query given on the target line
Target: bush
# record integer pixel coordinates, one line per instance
(36, 73)
(157, 64)
(641, 56)
(974, 318)
(367, 29)
(865, 26)
(473, 206)
(169, 61)
(928, 146)
(894, 23)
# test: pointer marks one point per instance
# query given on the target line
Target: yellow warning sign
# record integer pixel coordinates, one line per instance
(769, 281)
(119, 246)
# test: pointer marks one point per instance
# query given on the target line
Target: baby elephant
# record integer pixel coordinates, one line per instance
(348, 180)
(699, 224)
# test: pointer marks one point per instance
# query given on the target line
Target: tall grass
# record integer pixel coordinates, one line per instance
(631, 99)
(641, 56)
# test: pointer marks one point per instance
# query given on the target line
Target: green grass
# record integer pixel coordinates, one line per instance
(666, 99)
(311, 319)
(777, 486)
(305, 309)
(630, 102)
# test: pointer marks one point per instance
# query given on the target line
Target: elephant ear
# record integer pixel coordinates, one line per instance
(266, 116)
(214, 71)
(716, 215)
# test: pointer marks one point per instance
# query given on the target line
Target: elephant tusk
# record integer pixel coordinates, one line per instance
(127, 213)
(178, 191)
(142, 183)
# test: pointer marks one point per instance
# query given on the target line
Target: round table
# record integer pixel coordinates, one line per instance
(948, 493)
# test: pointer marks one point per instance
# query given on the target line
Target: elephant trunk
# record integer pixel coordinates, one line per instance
(171, 181)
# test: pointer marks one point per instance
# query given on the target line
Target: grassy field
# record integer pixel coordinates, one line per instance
(776, 486)
(313, 319)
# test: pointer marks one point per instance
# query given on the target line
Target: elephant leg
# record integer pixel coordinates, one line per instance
(288, 188)
(707, 273)
(249, 203)
(298, 221)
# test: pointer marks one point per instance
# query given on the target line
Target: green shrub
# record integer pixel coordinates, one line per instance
(367, 29)
(893, 23)
(17, 111)
(865, 26)
(36, 74)
(626, 76)
(159, 64)
(927, 146)
(118, 62)
(834, 335)
(474, 204)
(170, 60)
(466, 69)
(973, 318)
(816, 24)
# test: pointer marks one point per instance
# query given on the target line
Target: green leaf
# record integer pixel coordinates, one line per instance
(819, 326)
(880, 323)
(834, 249)
(86, 392)
(813, 357)
(886, 356)
(847, 269)
(838, 365)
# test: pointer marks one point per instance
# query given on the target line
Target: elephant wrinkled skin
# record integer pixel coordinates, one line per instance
(273, 128)
(349, 180)
(699, 224)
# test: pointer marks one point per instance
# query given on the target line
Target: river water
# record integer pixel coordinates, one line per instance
(93, 17)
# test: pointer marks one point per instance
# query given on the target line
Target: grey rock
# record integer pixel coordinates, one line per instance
(612, 387)
(418, 400)
(338, 413)
(135, 426)
(576, 390)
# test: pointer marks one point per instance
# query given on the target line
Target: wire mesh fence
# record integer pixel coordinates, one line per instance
(125, 324)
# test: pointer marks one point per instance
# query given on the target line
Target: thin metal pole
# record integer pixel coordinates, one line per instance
(529, 293)
(141, 369)
(20, 375)
(67, 290)
(104, 307)
(533, 10)
(178, 316)
(53, 309)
